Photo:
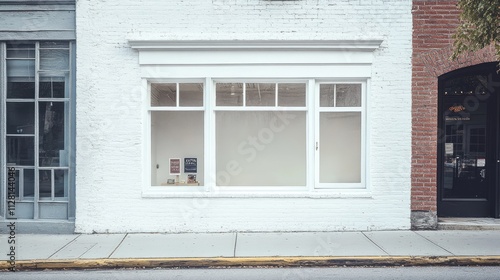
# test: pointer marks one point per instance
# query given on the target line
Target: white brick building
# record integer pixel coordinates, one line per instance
(298, 114)
(130, 52)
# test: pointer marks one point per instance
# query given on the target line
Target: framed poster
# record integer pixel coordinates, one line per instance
(175, 166)
(190, 165)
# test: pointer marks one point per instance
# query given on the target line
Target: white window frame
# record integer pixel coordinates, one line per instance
(177, 108)
(364, 143)
(339, 62)
(312, 110)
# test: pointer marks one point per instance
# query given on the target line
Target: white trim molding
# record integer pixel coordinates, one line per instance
(305, 45)
(260, 52)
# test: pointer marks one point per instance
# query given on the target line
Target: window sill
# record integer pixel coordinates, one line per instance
(253, 192)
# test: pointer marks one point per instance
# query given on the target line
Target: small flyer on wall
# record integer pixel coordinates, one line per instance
(175, 166)
(190, 165)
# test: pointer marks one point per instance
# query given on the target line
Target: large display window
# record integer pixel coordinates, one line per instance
(257, 134)
(258, 118)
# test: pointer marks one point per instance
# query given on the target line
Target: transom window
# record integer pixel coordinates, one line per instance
(261, 94)
(257, 134)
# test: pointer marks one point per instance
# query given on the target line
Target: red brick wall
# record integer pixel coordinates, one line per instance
(434, 22)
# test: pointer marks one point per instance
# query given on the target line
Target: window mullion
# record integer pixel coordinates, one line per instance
(52, 184)
(244, 95)
(209, 135)
(21, 184)
(36, 195)
(364, 134)
(3, 118)
(177, 94)
(312, 137)
(276, 95)
(335, 95)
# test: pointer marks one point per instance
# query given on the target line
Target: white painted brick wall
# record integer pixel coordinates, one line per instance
(109, 111)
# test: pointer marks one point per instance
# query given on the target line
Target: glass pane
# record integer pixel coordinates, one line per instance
(21, 88)
(45, 186)
(16, 183)
(20, 117)
(53, 87)
(464, 154)
(468, 85)
(61, 183)
(29, 183)
(292, 95)
(21, 68)
(260, 94)
(191, 94)
(21, 53)
(164, 95)
(340, 147)
(261, 148)
(348, 95)
(229, 94)
(176, 135)
(327, 95)
(20, 50)
(20, 150)
(52, 141)
(54, 59)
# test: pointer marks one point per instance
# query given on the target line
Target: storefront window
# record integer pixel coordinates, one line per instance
(257, 133)
(39, 125)
(340, 132)
(177, 132)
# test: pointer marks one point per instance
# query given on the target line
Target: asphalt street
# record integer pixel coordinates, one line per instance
(348, 273)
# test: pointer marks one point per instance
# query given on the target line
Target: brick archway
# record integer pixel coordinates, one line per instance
(427, 67)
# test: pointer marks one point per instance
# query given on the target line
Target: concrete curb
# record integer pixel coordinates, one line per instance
(253, 262)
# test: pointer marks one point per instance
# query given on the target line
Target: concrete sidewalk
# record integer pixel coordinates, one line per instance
(443, 247)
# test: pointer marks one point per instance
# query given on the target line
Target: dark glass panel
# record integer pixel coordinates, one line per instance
(52, 147)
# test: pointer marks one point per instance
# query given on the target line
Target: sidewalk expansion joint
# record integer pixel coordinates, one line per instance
(118, 246)
(66, 245)
(373, 242)
(235, 243)
(434, 243)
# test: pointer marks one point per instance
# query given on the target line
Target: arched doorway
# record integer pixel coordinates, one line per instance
(469, 142)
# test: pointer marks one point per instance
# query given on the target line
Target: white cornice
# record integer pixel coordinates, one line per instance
(308, 45)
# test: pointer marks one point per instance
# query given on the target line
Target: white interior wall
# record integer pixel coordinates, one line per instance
(177, 135)
(263, 156)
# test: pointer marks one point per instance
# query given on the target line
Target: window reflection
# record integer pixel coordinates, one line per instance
(52, 147)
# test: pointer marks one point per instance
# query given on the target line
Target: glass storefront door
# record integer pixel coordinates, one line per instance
(468, 143)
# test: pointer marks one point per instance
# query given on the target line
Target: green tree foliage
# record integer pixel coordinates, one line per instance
(479, 26)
